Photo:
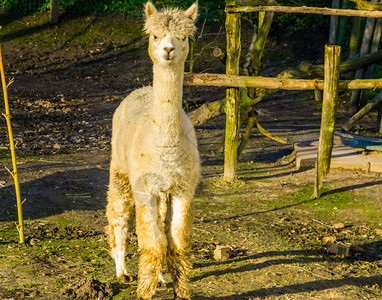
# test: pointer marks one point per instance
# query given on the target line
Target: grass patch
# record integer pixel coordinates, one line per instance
(342, 206)
(77, 31)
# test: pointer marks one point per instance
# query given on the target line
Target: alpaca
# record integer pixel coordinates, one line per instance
(155, 162)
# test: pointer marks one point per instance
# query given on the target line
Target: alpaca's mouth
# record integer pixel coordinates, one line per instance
(169, 56)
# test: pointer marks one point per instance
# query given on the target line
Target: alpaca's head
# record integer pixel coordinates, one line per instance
(168, 32)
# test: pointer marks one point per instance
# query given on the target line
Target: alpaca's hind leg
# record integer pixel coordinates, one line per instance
(152, 247)
(118, 212)
(178, 239)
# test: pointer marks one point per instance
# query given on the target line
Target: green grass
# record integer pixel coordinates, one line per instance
(341, 205)
(76, 31)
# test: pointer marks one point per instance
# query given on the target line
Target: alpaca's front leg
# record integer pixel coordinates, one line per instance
(118, 212)
(178, 239)
(152, 247)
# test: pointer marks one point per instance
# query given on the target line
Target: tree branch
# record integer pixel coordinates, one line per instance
(366, 5)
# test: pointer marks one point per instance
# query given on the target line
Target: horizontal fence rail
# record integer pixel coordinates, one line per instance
(307, 10)
(223, 80)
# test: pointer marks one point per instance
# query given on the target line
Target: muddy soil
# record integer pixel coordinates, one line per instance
(280, 240)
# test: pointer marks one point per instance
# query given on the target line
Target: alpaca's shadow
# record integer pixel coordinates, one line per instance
(83, 189)
(296, 258)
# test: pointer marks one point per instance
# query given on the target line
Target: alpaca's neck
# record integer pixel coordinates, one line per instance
(166, 113)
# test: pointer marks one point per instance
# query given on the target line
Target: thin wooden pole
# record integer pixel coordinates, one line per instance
(14, 173)
(365, 49)
(355, 37)
(379, 119)
(233, 32)
(308, 10)
(271, 83)
(328, 119)
(363, 112)
(53, 11)
(370, 69)
(342, 23)
(334, 24)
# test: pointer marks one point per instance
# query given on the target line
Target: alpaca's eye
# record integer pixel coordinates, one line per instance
(184, 38)
(155, 37)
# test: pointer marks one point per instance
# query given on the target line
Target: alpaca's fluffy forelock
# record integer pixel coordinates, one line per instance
(170, 20)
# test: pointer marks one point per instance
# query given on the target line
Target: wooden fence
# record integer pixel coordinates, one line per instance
(330, 85)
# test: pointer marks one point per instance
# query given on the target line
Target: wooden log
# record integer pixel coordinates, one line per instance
(370, 69)
(269, 134)
(329, 111)
(248, 131)
(249, 56)
(252, 66)
(333, 24)
(355, 37)
(342, 22)
(363, 111)
(233, 32)
(379, 119)
(365, 49)
(259, 45)
(318, 95)
(272, 83)
(360, 62)
(308, 10)
(361, 84)
(206, 79)
(220, 54)
(255, 2)
(307, 70)
(216, 108)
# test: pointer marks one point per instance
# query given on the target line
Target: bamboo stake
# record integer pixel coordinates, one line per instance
(328, 119)
(14, 173)
(233, 32)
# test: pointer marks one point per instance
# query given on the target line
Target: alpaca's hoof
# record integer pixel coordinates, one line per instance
(126, 278)
(184, 297)
(162, 283)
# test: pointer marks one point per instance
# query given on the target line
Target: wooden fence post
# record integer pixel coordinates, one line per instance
(379, 119)
(329, 111)
(233, 32)
(53, 11)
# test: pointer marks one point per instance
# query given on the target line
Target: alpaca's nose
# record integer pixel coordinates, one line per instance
(169, 49)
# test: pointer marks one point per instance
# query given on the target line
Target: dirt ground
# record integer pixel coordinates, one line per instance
(69, 79)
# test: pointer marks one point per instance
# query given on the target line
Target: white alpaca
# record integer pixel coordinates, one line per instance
(155, 161)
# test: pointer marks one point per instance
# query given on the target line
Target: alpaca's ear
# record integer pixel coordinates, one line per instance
(192, 12)
(150, 9)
